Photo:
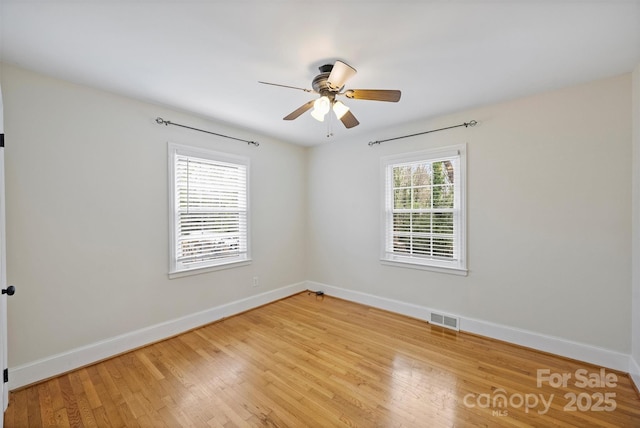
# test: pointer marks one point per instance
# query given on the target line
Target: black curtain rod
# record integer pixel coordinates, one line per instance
(161, 121)
(466, 124)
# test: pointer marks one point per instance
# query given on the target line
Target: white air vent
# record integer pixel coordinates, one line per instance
(446, 321)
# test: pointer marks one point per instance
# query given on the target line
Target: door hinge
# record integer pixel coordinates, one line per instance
(5, 374)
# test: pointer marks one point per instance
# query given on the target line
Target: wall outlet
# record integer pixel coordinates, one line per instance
(255, 281)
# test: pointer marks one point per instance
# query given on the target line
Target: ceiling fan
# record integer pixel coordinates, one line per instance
(329, 84)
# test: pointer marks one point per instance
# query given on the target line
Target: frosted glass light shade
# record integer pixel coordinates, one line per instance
(317, 115)
(340, 73)
(320, 108)
(340, 109)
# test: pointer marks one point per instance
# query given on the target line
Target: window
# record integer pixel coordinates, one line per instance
(209, 209)
(424, 216)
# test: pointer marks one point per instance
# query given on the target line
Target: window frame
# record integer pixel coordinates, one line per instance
(457, 266)
(176, 269)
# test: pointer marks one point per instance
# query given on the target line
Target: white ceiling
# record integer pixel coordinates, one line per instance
(206, 57)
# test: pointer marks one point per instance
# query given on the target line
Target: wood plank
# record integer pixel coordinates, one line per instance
(33, 406)
(304, 361)
(46, 408)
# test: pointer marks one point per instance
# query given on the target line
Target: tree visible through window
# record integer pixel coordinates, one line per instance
(423, 209)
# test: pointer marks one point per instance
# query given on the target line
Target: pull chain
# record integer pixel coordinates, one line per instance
(330, 125)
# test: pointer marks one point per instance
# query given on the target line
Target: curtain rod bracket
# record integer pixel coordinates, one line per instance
(161, 121)
(465, 124)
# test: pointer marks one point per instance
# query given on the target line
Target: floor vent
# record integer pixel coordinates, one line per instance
(446, 321)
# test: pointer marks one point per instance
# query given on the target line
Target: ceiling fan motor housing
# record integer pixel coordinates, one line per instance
(319, 83)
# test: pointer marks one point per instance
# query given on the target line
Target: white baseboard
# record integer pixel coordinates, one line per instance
(634, 372)
(61, 363)
(554, 345)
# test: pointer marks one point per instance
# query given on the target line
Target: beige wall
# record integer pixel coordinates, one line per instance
(87, 216)
(548, 197)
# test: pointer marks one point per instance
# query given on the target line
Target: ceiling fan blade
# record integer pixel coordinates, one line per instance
(340, 73)
(374, 94)
(349, 120)
(294, 114)
(286, 86)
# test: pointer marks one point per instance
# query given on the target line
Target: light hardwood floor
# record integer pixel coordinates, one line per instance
(307, 361)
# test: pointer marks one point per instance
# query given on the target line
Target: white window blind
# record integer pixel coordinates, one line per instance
(210, 209)
(424, 209)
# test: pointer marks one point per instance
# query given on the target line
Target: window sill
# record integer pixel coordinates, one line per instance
(420, 266)
(198, 271)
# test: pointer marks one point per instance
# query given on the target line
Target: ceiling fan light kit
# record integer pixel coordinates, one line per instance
(321, 107)
(329, 84)
(340, 109)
